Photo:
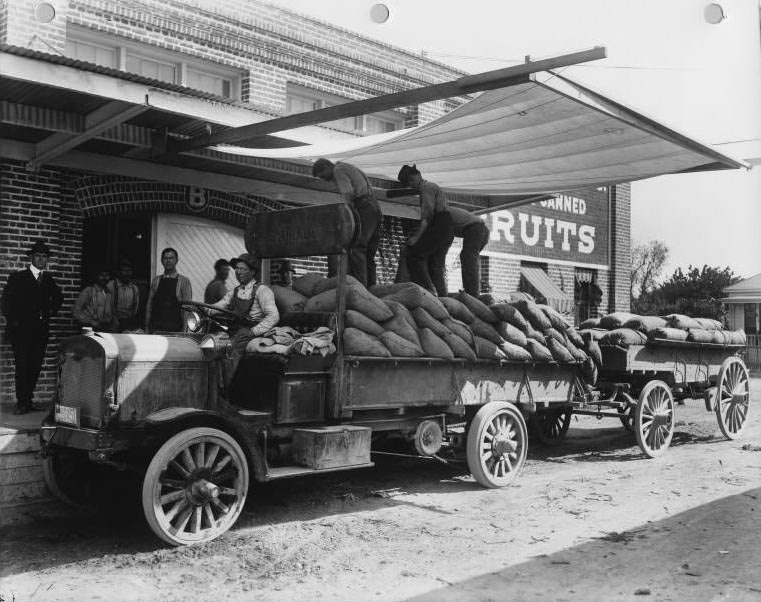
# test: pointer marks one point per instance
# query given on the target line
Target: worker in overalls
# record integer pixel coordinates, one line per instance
(426, 250)
(163, 311)
(357, 192)
(254, 303)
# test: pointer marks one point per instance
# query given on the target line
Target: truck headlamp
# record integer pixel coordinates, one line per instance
(193, 321)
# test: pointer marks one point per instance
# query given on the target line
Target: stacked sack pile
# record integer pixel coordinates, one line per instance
(623, 329)
(405, 320)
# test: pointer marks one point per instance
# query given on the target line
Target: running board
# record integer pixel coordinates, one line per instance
(287, 472)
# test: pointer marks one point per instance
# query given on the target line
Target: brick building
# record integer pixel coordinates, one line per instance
(227, 64)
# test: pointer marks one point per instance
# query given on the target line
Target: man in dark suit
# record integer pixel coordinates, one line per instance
(30, 299)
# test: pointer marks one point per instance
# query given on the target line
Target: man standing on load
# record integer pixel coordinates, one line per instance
(475, 236)
(251, 301)
(355, 188)
(427, 247)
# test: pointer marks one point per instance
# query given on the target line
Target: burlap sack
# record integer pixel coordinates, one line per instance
(737, 337)
(699, 335)
(615, 320)
(538, 352)
(288, 299)
(595, 333)
(460, 329)
(681, 322)
(360, 299)
(558, 321)
(325, 301)
(592, 348)
(668, 334)
(457, 309)
(356, 319)
(412, 295)
(477, 307)
(401, 327)
(533, 315)
(382, 290)
(551, 333)
(578, 354)
(590, 323)
(709, 324)
(486, 350)
(721, 337)
(575, 338)
(589, 371)
(623, 337)
(434, 346)
(459, 347)
(307, 283)
(327, 284)
(397, 309)
(535, 335)
(425, 320)
(399, 346)
(510, 333)
(515, 353)
(645, 323)
(484, 330)
(510, 314)
(559, 351)
(358, 342)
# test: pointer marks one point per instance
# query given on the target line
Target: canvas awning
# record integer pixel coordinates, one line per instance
(545, 135)
(536, 281)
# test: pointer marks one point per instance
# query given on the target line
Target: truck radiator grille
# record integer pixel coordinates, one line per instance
(81, 386)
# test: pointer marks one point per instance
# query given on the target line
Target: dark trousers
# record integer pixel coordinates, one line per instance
(362, 254)
(474, 238)
(28, 343)
(426, 259)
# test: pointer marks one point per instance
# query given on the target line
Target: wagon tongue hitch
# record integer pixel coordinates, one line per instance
(203, 491)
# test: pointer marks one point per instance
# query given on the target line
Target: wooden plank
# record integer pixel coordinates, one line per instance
(20, 459)
(23, 492)
(20, 474)
(20, 442)
(489, 80)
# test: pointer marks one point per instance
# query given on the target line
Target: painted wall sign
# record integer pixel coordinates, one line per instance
(569, 227)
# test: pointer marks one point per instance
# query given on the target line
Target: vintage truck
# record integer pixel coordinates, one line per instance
(152, 404)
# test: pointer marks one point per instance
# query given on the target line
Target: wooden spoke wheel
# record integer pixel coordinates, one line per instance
(551, 426)
(496, 445)
(195, 486)
(732, 397)
(654, 418)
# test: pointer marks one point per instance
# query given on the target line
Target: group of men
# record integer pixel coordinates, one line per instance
(31, 296)
(423, 259)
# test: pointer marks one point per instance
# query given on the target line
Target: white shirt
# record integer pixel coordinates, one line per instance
(35, 272)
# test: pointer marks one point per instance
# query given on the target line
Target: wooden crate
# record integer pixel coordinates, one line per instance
(331, 446)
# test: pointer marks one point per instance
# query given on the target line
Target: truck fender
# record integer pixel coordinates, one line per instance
(193, 416)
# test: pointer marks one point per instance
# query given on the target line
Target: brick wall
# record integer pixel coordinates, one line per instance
(621, 253)
(24, 29)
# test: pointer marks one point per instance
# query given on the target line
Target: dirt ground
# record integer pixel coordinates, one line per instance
(591, 520)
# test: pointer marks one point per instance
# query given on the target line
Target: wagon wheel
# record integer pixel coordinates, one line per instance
(496, 444)
(195, 486)
(654, 418)
(551, 426)
(732, 397)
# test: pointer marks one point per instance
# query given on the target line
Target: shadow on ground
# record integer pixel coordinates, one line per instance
(706, 553)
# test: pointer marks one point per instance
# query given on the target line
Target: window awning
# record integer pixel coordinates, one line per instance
(545, 290)
(548, 134)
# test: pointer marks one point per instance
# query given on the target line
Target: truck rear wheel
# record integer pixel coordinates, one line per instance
(496, 445)
(195, 486)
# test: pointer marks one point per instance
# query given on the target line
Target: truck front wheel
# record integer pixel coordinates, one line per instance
(195, 486)
(496, 444)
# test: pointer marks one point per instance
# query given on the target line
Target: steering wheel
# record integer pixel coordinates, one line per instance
(224, 318)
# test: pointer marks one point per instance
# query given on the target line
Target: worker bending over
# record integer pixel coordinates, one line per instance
(427, 247)
(475, 236)
(357, 192)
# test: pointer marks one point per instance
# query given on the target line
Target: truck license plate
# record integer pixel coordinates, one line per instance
(67, 414)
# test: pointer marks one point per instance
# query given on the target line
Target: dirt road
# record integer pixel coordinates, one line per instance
(592, 520)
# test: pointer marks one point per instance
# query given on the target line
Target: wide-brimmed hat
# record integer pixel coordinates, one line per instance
(39, 247)
(246, 258)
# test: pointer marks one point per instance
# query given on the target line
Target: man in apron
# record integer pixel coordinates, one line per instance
(163, 312)
(254, 303)
(355, 188)
(427, 247)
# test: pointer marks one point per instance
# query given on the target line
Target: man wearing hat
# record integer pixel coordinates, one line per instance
(30, 299)
(125, 296)
(355, 188)
(252, 301)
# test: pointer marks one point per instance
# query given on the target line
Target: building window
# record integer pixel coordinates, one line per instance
(162, 65)
(300, 99)
(484, 285)
(751, 318)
